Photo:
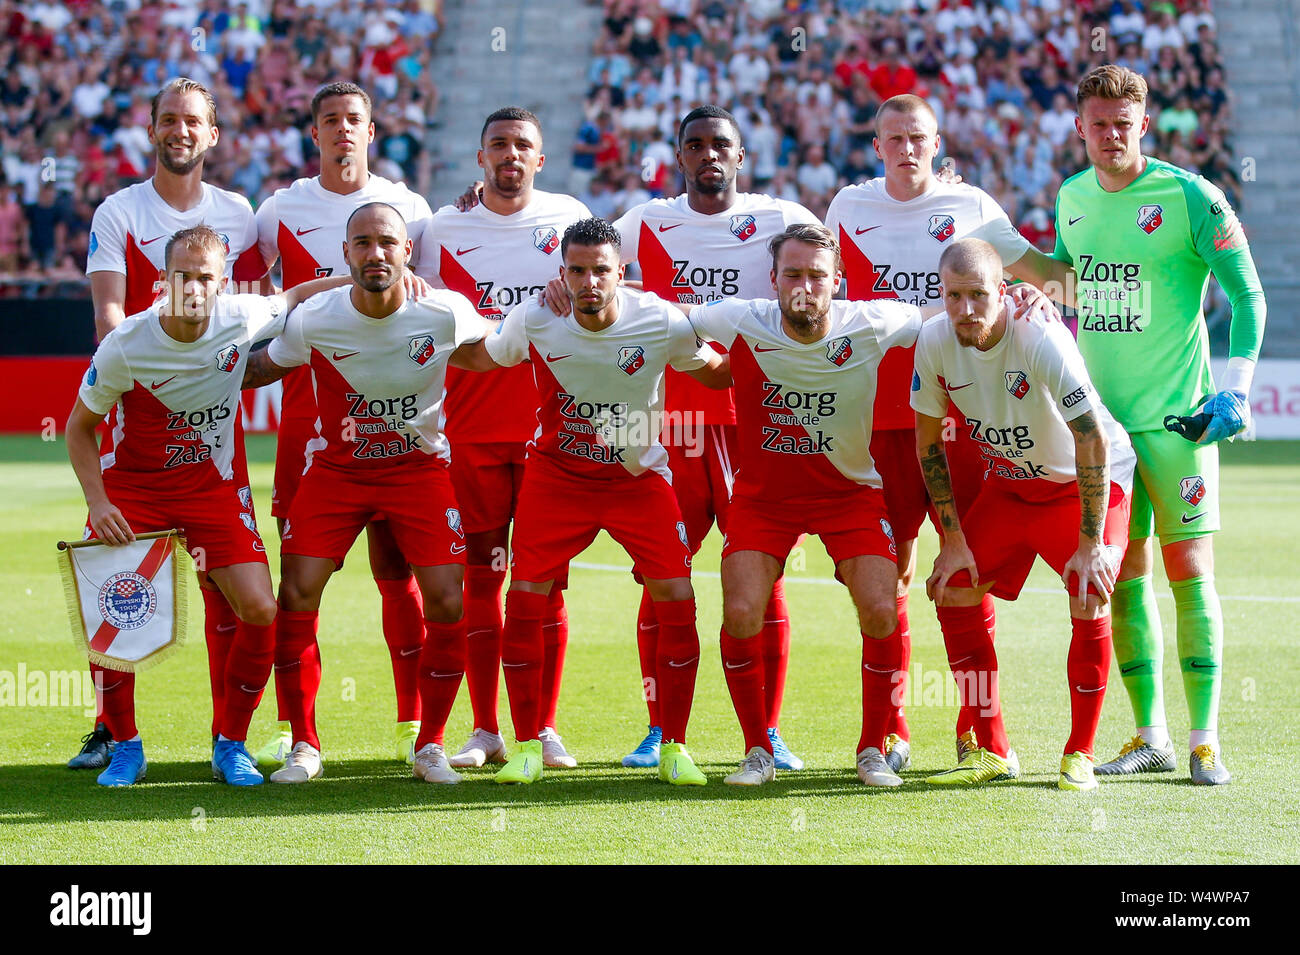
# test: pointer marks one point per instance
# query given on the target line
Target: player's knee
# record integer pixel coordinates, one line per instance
(258, 609)
(1137, 560)
(742, 617)
(296, 595)
(443, 605)
(878, 619)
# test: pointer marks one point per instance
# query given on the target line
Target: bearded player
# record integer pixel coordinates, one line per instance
(498, 254)
(303, 226)
(1143, 237)
(892, 231)
(128, 234)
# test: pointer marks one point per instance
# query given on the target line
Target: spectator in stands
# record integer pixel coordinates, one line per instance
(817, 179)
(13, 230)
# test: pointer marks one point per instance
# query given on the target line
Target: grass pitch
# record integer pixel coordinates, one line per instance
(368, 808)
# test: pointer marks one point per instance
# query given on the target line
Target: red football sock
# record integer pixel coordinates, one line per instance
(1087, 667)
(776, 651)
(742, 665)
(968, 636)
(521, 659)
(248, 667)
(297, 670)
(898, 718)
(117, 696)
(555, 641)
(647, 648)
(881, 665)
(403, 620)
(485, 621)
(442, 664)
(219, 622)
(678, 661)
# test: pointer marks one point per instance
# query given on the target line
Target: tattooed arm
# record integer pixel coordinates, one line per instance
(261, 370)
(954, 555)
(1092, 561)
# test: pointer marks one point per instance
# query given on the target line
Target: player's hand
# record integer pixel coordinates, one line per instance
(109, 525)
(948, 171)
(1030, 299)
(1095, 563)
(470, 197)
(415, 286)
(1229, 413)
(953, 557)
(556, 297)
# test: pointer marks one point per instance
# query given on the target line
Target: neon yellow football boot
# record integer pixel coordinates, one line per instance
(525, 766)
(404, 741)
(976, 767)
(277, 748)
(1076, 773)
(677, 768)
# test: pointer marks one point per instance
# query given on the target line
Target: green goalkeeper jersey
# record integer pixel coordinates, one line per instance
(1143, 257)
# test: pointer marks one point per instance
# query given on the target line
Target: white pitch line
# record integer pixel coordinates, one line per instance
(831, 581)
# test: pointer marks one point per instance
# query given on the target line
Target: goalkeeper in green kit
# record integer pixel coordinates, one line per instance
(1143, 237)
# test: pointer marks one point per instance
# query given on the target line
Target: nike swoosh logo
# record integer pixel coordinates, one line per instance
(1190, 520)
(960, 387)
(411, 652)
(250, 689)
(870, 669)
(673, 663)
(338, 357)
(158, 384)
(313, 229)
(147, 241)
(469, 250)
(665, 228)
(504, 664)
(676, 773)
(645, 626)
(444, 676)
(1095, 689)
(761, 348)
(473, 633)
(1126, 670)
(1202, 666)
(867, 229)
(458, 548)
(1078, 218)
(550, 357)
(736, 666)
(1077, 782)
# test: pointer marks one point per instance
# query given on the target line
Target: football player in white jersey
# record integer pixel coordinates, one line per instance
(128, 234)
(1058, 469)
(891, 232)
(499, 253)
(303, 226)
(174, 371)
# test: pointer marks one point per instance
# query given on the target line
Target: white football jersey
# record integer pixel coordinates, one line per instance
(130, 229)
(692, 258)
(803, 410)
(177, 402)
(601, 392)
(496, 262)
(1017, 398)
(378, 382)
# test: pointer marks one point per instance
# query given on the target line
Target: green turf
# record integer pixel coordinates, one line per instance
(368, 808)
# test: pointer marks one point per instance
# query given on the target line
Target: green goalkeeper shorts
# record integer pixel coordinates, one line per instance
(1175, 488)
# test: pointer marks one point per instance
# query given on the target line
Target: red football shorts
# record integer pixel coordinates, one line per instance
(218, 524)
(332, 507)
(487, 478)
(701, 460)
(906, 498)
(850, 524)
(1006, 530)
(560, 514)
(290, 460)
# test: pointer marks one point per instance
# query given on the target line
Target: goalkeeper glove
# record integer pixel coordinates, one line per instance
(1223, 416)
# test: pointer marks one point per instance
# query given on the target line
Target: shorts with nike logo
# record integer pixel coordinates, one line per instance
(333, 506)
(1175, 487)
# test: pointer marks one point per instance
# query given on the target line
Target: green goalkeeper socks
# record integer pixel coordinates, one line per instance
(1139, 647)
(1200, 648)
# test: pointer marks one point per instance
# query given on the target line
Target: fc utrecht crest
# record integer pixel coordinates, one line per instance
(631, 358)
(546, 239)
(743, 227)
(1192, 489)
(1150, 218)
(227, 357)
(942, 227)
(1017, 384)
(453, 521)
(421, 349)
(839, 351)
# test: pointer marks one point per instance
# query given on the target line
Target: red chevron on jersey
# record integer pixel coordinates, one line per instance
(892, 409)
(142, 285)
(296, 263)
(861, 273)
(457, 278)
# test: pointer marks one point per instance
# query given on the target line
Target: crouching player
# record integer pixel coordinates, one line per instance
(1058, 475)
(596, 463)
(378, 361)
(174, 373)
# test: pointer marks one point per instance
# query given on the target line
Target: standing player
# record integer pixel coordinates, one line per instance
(302, 225)
(805, 381)
(700, 247)
(1143, 237)
(173, 371)
(127, 236)
(498, 254)
(377, 361)
(596, 463)
(891, 232)
(1058, 471)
